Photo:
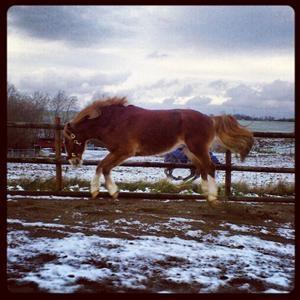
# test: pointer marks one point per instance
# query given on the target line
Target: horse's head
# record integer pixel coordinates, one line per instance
(74, 144)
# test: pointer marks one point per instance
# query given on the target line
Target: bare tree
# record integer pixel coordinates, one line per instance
(38, 107)
(59, 105)
(21, 108)
(62, 105)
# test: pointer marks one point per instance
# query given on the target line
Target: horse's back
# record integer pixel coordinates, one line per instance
(167, 113)
(154, 118)
(179, 121)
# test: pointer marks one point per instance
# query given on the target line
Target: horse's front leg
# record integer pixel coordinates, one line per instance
(95, 183)
(112, 188)
(104, 167)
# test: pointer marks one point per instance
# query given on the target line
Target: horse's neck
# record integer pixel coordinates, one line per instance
(85, 129)
(95, 128)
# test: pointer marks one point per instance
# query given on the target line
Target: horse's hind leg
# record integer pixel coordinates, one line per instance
(206, 168)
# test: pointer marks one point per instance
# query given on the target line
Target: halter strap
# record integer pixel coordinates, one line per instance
(75, 141)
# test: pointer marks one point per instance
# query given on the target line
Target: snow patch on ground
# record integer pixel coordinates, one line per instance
(35, 224)
(210, 261)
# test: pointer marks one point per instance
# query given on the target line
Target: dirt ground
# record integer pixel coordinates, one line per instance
(73, 212)
(85, 213)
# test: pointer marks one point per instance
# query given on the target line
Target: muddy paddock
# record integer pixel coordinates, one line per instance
(171, 246)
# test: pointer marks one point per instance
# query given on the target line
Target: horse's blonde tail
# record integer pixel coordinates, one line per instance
(233, 136)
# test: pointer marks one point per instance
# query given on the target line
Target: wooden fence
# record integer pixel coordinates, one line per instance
(227, 167)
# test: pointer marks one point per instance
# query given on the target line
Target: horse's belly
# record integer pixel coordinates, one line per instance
(157, 132)
(146, 149)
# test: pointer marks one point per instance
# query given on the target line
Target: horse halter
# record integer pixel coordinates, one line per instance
(75, 141)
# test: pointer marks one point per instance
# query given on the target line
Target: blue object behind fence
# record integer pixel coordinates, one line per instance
(178, 156)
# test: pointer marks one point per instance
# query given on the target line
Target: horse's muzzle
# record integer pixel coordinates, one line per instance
(75, 162)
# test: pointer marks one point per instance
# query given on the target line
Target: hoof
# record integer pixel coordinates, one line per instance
(95, 194)
(113, 201)
(115, 195)
(214, 203)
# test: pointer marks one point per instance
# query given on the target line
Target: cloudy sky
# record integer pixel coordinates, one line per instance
(216, 59)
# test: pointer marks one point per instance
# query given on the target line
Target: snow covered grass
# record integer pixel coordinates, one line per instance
(279, 188)
(77, 184)
(162, 186)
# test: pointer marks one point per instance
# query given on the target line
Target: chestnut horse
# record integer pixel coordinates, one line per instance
(127, 130)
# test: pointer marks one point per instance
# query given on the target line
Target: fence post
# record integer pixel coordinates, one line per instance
(228, 174)
(58, 154)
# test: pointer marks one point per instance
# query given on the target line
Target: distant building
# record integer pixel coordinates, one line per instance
(47, 143)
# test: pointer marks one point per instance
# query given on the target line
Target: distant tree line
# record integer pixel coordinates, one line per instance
(266, 118)
(35, 108)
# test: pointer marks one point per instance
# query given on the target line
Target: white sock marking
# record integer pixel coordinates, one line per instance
(212, 189)
(110, 185)
(204, 186)
(95, 183)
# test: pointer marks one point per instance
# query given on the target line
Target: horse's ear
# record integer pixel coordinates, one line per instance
(94, 114)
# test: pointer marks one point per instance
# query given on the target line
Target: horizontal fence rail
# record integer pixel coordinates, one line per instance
(228, 167)
(34, 125)
(222, 167)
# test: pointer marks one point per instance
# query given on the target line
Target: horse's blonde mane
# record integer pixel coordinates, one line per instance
(94, 109)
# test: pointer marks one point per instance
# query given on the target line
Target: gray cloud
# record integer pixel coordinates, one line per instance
(157, 54)
(202, 104)
(78, 26)
(218, 85)
(162, 84)
(101, 38)
(168, 102)
(107, 78)
(242, 95)
(236, 27)
(198, 101)
(52, 81)
(280, 91)
(263, 99)
(213, 27)
(275, 98)
(185, 91)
